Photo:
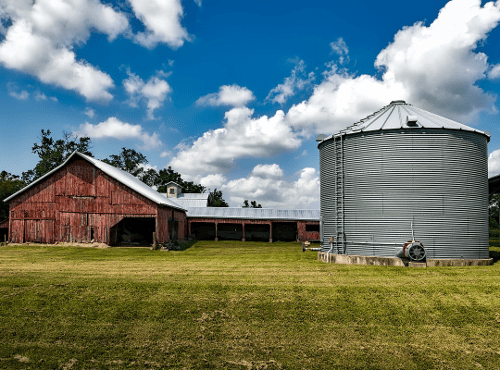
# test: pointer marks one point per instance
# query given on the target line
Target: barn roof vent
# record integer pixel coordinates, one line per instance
(411, 120)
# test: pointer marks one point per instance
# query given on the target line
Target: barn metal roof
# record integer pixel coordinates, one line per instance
(124, 177)
(186, 200)
(254, 213)
(401, 115)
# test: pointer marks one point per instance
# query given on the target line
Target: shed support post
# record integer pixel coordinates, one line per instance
(270, 232)
(243, 229)
(216, 236)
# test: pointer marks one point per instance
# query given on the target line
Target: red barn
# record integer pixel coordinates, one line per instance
(86, 200)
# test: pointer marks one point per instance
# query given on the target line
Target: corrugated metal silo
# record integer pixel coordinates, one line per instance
(400, 171)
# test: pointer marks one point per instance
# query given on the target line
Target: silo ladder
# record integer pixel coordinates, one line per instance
(339, 194)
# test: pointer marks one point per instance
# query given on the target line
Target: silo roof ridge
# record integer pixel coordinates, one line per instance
(400, 115)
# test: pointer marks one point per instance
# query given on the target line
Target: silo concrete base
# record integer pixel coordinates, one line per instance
(459, 262)
(345, 259)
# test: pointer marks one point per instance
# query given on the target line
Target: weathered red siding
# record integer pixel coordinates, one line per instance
(80, 201)
(307, 235)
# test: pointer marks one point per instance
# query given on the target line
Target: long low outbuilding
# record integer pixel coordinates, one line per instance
(259, 224)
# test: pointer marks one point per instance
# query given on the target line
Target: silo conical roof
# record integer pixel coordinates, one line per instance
(401, 115)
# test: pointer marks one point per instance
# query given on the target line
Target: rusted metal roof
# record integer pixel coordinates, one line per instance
(254, 213)
(119, 175)
(401, 115)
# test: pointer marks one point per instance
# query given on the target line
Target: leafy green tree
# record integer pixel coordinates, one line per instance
(253, 204)
(129, 161)
(149, 177)
(9, 184)
(494, 211)
(52, 153)
(168, 174)
(215, 199)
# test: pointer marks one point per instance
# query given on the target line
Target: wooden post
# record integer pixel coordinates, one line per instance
(270, 232)
(154, 239)
(216, 238)
(243, 229)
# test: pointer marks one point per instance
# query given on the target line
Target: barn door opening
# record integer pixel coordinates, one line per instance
(133, 231)
(285, 231)
(257, 232)
(173, 229)
(226, 231)
(203, 230)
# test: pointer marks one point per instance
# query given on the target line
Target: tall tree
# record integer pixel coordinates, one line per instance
(215, 199)
(9, 184)
(253, 204)
(54, 152)
(494, 208)
(168, 174)
(129, 161)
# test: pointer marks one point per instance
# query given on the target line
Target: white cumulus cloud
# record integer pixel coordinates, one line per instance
(494, 72)
(116, 129)
(266, 185)
(298, 80)
(434, 67)
(89, 112)
(21, 95)
(340, 48)
(162, 22)
(43, 33)
(213, 181)
(40, 96)
(153, 92)
(228, 95)
(242, 136)
(494, 163)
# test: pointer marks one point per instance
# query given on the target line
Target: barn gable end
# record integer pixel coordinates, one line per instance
(79, 202)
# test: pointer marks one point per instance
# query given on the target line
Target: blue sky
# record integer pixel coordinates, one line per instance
(233, 94)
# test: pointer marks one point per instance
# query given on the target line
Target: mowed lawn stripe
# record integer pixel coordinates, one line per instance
(239, 306)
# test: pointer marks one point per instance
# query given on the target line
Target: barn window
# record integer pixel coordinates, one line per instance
(312, 228)
(172, 190)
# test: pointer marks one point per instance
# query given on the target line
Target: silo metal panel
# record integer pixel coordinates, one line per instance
(433, 179)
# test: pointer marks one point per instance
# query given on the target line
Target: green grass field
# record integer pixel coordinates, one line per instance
(236, 305)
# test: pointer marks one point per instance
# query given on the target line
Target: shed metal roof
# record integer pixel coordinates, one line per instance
(401, 115)
(121, 176)
(186, 200)
(254, 213)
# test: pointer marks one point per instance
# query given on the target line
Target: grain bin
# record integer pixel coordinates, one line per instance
(405, 176)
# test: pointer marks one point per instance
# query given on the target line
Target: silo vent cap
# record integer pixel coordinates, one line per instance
(321, 137)
(411, 120)
(397, 102)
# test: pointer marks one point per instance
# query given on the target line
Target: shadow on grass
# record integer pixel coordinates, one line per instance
(186, 245)
(495, 254)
